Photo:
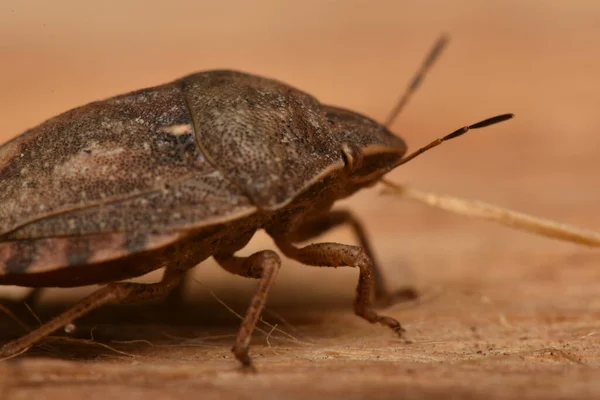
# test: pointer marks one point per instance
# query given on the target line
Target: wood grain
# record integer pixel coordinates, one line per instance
(503, 314)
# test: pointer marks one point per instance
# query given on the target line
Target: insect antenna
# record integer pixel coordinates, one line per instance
(455, 134)
(415, 83)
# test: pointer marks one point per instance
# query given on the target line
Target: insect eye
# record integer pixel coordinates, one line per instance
(352, 157)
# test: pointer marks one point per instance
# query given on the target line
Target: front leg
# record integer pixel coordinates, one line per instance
(323, 223)
(341, 255)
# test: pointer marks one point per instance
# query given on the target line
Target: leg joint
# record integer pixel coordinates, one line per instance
(262, 262)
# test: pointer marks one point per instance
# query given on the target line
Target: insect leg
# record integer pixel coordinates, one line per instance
(341, 255)
(332, 219)
(262, 265)
(115, 292)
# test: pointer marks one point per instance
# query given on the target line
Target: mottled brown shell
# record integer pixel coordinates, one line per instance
(271, 140)
(164, 168)
(129, 163)
(204, 150)
(106, 180)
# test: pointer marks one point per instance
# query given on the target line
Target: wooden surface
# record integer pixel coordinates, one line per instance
(503, 314)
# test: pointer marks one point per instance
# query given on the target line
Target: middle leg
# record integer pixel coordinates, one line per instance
(262, 265)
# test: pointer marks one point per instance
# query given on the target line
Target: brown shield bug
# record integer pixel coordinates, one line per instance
(173, 174)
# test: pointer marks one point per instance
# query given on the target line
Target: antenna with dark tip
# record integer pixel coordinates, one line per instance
(433, 55)
(456, 133)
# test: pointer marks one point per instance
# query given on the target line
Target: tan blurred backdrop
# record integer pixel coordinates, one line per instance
(537, 59)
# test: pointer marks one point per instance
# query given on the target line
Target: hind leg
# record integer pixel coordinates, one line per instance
(116, 292)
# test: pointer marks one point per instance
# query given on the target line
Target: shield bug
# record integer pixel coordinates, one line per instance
(173, 174)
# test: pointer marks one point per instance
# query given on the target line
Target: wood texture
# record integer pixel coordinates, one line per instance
(503, 314)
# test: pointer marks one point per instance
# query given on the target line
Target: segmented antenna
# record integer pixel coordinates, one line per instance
(455, 134)
(433, 55)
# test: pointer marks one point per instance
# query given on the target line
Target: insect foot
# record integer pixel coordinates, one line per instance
(363, 303)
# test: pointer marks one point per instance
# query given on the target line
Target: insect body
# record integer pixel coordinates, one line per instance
(171, 175)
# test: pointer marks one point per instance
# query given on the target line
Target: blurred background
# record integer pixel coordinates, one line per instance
(529, 303)
(537, 59)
